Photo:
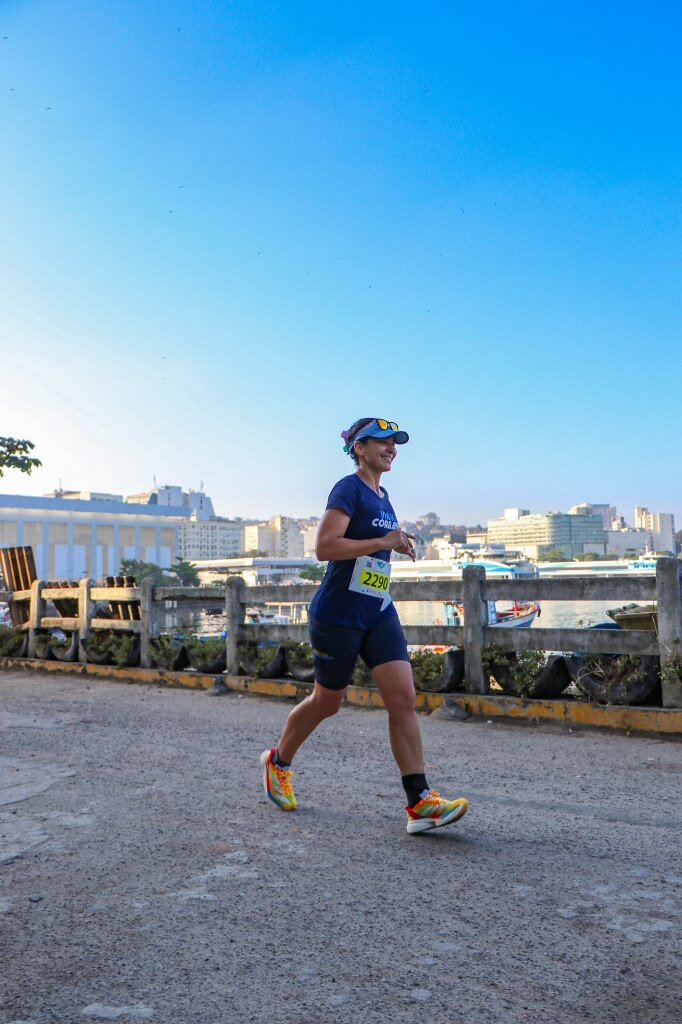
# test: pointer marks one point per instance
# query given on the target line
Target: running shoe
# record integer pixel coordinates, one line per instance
(277, 782)
(434, 812)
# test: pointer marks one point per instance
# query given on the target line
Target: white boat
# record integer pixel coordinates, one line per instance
(264, 616)
(519, 615)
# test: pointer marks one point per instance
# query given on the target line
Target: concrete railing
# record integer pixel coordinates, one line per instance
(473, 590)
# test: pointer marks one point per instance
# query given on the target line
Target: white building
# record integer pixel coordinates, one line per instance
(211, 538)
(75, 537)
(281, 537)
(607, 512)
(661, 526)
(628, 541)
(260, 537)
(172, 495)
(441, 548)
(252, 570)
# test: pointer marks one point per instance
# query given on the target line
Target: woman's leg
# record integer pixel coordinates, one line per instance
(396, 686)
(305, 718)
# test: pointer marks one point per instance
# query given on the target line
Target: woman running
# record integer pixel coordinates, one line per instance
(352, 615)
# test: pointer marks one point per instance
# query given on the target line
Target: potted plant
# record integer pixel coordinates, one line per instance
(264, 659)
(299, 661)
(436, 672)
(526, 673)
(206, 653)
(615, 678)
(42, 645)
(13, 642)
(64, 646)
(169, 652)
(109, 647)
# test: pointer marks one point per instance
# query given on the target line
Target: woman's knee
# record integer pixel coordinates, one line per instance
(326, 701)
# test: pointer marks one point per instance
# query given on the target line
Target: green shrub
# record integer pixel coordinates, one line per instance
(426, 666)
(11, 640)
(164, 650)
(300, 654)
(42, 644)
(523, 666)
(254, 658)
(204, 651)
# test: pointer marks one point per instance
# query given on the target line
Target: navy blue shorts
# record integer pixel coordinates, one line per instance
(336, 649)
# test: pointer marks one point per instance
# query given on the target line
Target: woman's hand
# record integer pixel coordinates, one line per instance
(401, 542)
(332, 544)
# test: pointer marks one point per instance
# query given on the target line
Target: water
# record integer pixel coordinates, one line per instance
(555, 614)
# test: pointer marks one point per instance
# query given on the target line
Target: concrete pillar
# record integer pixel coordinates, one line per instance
(138, 544)
(157, 549)
(36, 613)
(85, 614)
(234, 619)
(475, 618)
(669, 604)
(147, 618)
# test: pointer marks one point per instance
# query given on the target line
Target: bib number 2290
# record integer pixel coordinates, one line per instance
(372, 577)
(376, 581)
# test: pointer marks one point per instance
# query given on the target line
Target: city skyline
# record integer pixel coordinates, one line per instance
(268, 515)
(232, 229)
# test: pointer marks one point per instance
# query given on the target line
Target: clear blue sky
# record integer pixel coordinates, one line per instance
(231, 228)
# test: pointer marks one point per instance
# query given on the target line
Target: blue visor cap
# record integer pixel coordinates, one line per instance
(374, 430)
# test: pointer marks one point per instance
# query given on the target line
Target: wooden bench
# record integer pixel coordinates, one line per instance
(19, 573)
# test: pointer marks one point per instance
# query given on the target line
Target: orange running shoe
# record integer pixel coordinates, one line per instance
(277, 781)
(434, 812)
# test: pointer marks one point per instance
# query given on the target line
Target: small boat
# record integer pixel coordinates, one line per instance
(266, 616)
(520, 615)
(635, 616)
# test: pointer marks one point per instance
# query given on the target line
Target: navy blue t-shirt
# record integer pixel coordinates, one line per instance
(370, 516)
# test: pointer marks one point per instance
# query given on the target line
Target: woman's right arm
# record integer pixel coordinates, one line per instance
(332, 546)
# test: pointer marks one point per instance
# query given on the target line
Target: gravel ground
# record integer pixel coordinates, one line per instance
(144, 875)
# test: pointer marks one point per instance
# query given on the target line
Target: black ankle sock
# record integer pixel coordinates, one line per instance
(278, 760)
(414, 787)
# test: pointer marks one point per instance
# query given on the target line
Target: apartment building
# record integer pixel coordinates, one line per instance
(281, 537)
(534, 535)
(661, 526)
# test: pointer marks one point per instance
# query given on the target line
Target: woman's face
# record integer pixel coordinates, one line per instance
(376, 453)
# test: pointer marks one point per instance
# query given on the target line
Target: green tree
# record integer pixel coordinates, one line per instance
(186, 574)
(142, 570)
(554, 555)
(14, 455)
(314, 572)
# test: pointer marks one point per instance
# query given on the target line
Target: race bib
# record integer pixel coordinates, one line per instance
(372, 576)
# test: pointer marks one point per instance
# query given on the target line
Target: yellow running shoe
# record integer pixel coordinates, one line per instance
(434, 812)
(277, 782)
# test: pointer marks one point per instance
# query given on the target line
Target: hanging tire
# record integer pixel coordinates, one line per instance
(172, 659)
(637, 688)
(65, 651)
(93, 656)
(451, 678)
(211, 668)
(550, 681)
(254, 664)
(302, 672)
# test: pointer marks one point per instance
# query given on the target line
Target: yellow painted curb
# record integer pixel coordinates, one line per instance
(667, 721)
